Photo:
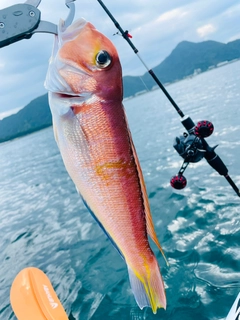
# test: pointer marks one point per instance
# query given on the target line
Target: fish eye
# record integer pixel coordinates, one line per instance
(103, 59)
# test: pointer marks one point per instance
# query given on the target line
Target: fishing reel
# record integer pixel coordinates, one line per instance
(191, 147)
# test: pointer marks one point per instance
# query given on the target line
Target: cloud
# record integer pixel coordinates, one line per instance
(156, 26)
(172, 15)
(205, 30)
(234, 37)
(8, 113)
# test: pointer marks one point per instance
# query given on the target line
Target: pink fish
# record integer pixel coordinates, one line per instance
(84, 81)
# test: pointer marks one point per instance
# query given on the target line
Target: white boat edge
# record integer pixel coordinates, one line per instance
(234, 313)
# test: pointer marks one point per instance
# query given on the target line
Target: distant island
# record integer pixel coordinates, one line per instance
(186, 60)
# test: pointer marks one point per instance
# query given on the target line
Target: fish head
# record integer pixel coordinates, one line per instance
(84, 65)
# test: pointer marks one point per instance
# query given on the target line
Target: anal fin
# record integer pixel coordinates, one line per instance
(101, 226)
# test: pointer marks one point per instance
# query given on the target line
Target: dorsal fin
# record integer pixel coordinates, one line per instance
(150, 227)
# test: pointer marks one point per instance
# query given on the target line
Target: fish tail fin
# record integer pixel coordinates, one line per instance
(148, 288)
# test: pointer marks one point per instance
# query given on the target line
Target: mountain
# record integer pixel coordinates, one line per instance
(35, 116)
(183, 61)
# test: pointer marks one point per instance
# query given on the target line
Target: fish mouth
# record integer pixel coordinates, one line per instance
(61, 102)
(73, 98)
(67, 34)
(54, 81)
(71, 32)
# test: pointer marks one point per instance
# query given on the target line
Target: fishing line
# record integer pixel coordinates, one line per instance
(150, 71)
(144, 83)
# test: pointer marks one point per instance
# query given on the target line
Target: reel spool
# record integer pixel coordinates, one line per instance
(189, 147)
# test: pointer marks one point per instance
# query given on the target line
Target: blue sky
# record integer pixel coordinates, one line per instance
(157, 26)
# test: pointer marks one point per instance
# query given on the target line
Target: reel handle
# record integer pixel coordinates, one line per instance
(178, 182)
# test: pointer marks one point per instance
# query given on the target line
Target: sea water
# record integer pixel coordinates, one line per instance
(43, 222)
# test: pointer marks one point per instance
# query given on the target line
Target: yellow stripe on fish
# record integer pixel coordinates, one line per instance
(105, 170)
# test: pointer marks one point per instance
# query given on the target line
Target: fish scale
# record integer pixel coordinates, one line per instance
(95, 142)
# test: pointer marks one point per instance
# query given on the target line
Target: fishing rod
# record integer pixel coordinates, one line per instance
(191, 146)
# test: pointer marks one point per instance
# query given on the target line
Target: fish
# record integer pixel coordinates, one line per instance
(85, 89)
